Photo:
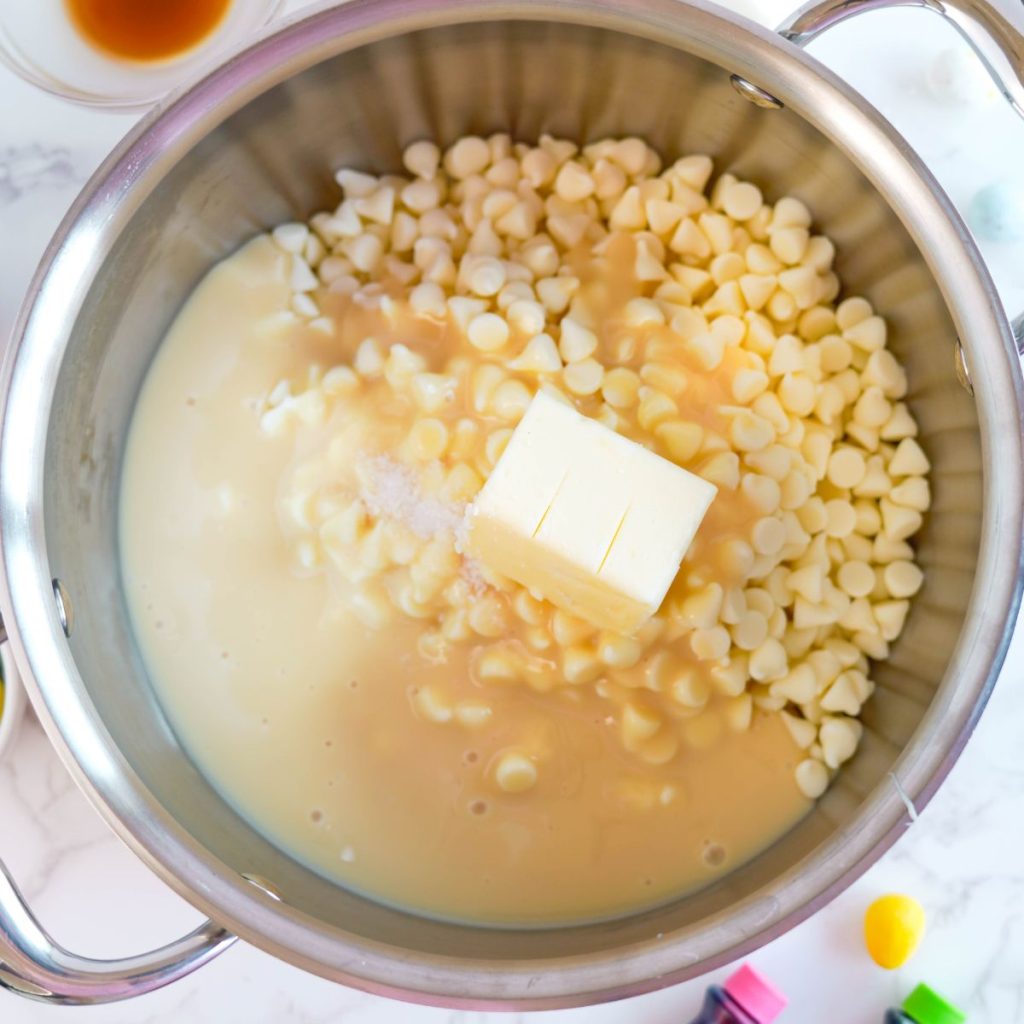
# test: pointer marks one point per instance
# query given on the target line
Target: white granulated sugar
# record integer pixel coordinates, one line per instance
(393, 492)
(472, 571)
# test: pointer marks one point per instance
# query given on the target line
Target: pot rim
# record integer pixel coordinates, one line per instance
(26, 599)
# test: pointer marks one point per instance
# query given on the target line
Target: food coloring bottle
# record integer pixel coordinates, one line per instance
(746, 998)
(925, 1006)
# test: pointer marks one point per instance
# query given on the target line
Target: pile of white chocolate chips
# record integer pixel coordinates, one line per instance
(694, 318)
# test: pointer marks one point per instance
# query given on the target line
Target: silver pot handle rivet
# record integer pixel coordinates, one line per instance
(65, 609)
(963, 375)
(264, 886)
(755, 94)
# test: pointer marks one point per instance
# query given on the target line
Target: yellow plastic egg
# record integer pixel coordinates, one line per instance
(893, 927)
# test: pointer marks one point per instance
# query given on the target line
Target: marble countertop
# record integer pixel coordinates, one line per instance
(962, 858)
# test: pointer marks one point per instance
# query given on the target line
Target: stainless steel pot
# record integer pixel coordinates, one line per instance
(253, 144)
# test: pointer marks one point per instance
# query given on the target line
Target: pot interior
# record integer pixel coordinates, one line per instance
(272, 161)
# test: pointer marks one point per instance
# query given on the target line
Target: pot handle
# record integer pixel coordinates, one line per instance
(994, 29)
(34, 966)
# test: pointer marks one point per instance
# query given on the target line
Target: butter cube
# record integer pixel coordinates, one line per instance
(591, 521)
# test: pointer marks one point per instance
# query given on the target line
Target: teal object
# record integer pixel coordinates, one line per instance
(996, 212)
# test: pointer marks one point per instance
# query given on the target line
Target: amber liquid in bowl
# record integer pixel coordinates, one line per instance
(146, 30)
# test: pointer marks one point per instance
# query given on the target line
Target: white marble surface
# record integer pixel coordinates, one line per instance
(962, 859)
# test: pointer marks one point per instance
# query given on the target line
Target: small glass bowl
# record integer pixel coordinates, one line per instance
(14, 702)
(39, 42)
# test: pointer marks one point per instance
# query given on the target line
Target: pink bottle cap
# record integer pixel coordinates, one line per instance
(756, 994)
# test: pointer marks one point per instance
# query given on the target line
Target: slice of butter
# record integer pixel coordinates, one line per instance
(591, 521)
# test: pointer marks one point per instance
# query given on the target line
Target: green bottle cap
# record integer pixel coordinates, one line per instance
(926, 1006)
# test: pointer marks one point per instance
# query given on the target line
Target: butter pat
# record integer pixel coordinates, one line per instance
(591, 521)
